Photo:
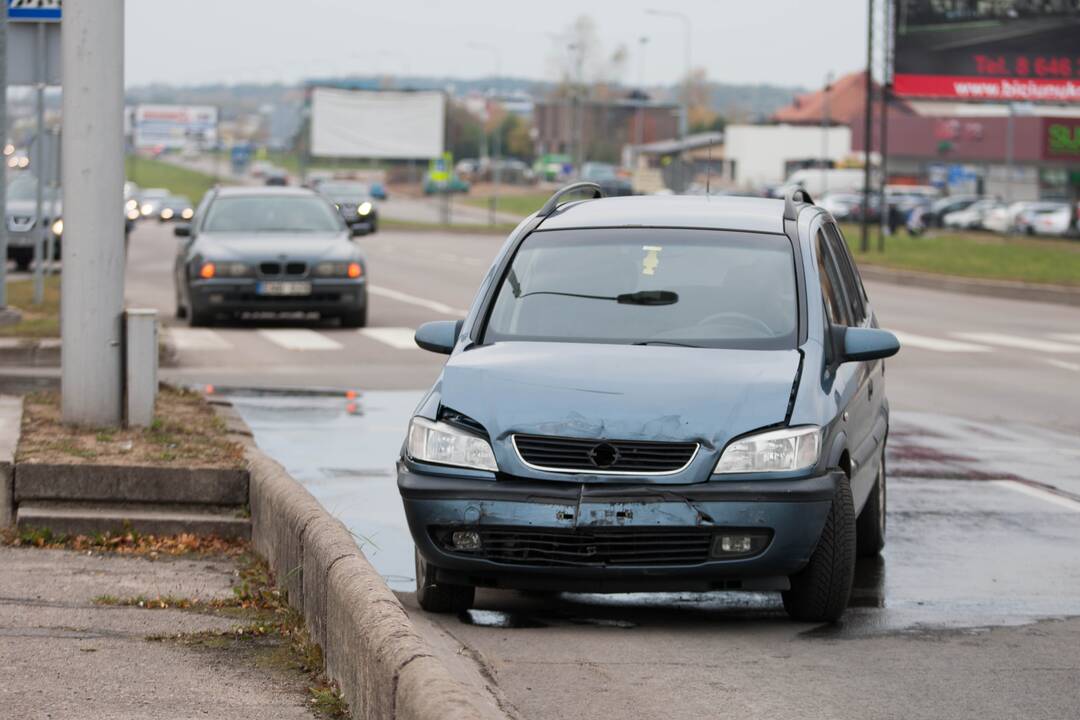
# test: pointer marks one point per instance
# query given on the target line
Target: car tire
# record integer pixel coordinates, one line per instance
(820, 591)
(354, 318)
(22, 259)
(440, 597)
(870, 527)
(198, 318)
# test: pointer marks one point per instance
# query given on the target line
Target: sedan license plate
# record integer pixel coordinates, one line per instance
(281, 287)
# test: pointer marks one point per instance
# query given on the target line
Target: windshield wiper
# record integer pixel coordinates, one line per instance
(667, 342)
(642, 297)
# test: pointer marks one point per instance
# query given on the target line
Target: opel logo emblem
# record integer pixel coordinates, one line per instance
(604, 455)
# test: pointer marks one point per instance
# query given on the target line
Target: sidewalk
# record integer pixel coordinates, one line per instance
(64, 655)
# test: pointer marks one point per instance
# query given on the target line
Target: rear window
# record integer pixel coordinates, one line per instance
(704, 288)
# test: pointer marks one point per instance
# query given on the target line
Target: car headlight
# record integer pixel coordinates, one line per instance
(339, 269)
(146, 209)
(133, 214)
(187, 213)
(210, 270)
(437, 442)
(785, 450)
(166, 214)
(132, 204)
(58, 227)
(363, 208)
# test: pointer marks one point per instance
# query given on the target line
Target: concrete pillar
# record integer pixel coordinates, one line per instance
(93, 179)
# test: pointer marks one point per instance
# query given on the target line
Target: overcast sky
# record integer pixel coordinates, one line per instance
(787, 42)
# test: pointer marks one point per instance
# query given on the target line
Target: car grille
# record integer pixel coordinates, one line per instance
(593, 547)
(637, 457)
(276, 269)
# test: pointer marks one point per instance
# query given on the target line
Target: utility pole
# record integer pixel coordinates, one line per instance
(688, 58)
(92, 294)
(579, 105)
(640, 140)
(886, 85)
(868, 127)
(4, 312)
(496, 139)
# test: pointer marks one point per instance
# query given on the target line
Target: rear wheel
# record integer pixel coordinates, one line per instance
(870, 527)
(820, 591)
(440, 597)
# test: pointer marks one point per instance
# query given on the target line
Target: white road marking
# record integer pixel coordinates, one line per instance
(939, 344)
(1066, 337)
(302, 340)
(1064, 365)
(197, 339)
(1035, 492)
(1024, 343)
(400, 338)
(418, 301)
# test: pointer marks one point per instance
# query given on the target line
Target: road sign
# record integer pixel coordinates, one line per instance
(439, 171)
(34, 10)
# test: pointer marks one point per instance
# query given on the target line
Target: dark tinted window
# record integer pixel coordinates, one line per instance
(848, 275)
(271, 213)
(835, 306)
(696, 287)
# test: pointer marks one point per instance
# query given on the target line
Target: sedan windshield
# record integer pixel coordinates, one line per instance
(703, 288)
(266, 214)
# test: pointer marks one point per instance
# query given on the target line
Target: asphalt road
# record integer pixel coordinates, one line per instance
(973, 612)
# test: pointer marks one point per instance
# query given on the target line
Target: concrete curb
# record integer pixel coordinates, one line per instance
(384, 667)
(10, 428)
(1007, 289)
(136, 483)
(45, 352)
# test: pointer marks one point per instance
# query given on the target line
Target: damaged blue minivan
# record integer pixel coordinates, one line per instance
(655, 393)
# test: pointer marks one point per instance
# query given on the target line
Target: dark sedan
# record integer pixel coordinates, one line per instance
(354, 201)
(268, 250)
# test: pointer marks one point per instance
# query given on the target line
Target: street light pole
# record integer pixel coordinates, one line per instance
(868, 127)
(684, 119)
(640, 139)
(496, 140)
(92, 293)
(3, 163)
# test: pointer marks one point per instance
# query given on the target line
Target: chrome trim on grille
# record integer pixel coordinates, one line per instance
(598, 471)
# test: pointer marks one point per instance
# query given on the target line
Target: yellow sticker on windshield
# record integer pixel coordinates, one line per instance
(651, 261)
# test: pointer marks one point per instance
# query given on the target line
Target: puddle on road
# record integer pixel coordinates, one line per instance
(962, 552)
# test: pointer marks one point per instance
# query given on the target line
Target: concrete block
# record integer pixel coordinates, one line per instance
(10, 427)
(119, 483)
(88, 518)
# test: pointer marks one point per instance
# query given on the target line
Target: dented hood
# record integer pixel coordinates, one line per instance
(621, 392)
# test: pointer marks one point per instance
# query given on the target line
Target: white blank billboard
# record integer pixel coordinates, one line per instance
(377, 123)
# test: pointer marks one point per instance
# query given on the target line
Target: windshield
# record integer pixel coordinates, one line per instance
(703, 288)
(277, 213)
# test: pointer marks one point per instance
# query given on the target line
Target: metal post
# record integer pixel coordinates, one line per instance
(92, 295)
(825, 122)
(886, 83)
(38, 167)
(868, 127)
(1009, 152)
(54, 192)
(496, 140)
(684, 117)
(140, 366)
(3, 163)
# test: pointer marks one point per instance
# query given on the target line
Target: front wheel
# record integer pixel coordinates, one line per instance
(870, 527)
(440, 597)
(820, 591)
(354, 318)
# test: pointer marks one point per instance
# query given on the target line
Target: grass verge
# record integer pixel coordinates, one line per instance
(150, 173)
(974, 255)
(185, 432)
(524, 204)
(38, 321)
(468, 229)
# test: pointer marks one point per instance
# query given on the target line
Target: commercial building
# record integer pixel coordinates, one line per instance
(605, 126)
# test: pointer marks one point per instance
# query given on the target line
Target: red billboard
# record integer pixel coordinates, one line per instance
(1002, 51)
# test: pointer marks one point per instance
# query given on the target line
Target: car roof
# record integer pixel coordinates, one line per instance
(262, 190)
(690, 211)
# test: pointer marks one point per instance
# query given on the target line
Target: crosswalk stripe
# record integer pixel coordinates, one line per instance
(418, 301)
(197, 339)
(1015, 341)
(400, 338)
(939, 344)
(1046, 495)
(1066, 337)
(300, 340)
(1075, 367)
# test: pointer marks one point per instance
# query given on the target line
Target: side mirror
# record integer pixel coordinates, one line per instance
(182, 230)
(868, 344)
(439, 336)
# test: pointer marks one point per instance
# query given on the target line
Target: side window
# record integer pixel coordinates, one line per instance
(853, 286)
(835, 305)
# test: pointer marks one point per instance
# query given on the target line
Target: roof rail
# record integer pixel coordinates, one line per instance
(552, 203)
(791, 197)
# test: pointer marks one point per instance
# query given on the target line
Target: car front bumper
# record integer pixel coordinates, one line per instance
(241, 295)
(791, 512)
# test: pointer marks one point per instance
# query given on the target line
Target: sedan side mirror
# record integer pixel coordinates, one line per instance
(439, 336)
(868, 344)
(182, 230)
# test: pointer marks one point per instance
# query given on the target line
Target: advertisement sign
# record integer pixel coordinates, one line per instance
(377, 123)
(174, 127)
(1018, 50)
(1061, 139)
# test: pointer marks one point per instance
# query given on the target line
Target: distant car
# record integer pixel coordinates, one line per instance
(607, 177)
(176, 207)
(1054, 222)
(21, 219)
(150, 201)
(655, 393)
(277, 178)
(971, 217)
(355, 203)
(378, 191)
(253, 249)
(1015, 217)
(840, 205)
(1027, 218)
(954, 203)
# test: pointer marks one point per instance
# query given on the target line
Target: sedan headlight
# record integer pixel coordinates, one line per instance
(437, 442)
(187, 213)
(363, 208)
(146, 209)
(58, 227)
(167, 214)
(339, 269)
(784, 450)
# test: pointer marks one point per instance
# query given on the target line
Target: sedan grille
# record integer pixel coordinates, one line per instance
(630, 457)
(591, 547)
(276, 269)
